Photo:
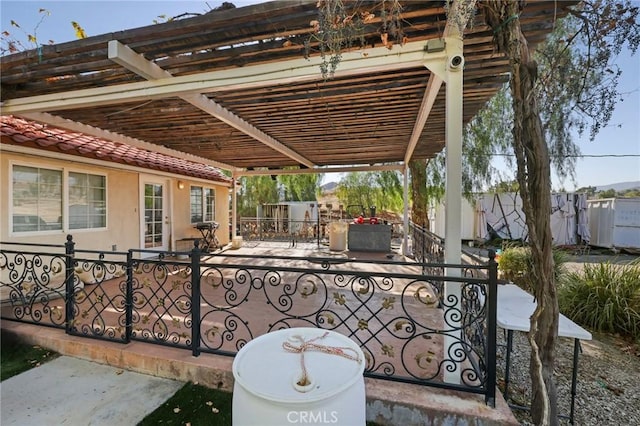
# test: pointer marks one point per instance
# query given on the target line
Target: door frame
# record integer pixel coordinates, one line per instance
(167, 210)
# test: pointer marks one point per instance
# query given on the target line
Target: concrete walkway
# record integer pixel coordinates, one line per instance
(150, 366)
(72, 391)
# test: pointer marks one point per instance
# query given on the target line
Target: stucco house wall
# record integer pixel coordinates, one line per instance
(123, 202)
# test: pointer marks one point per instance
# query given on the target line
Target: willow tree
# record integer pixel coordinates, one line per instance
(382, 189)
(254, 191)
(257, 190)
(604, 26)
(577, 90)
(302, 187)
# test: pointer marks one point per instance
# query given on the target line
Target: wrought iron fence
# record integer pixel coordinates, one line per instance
(408, 330)
(99, 309)
(272, 229)
(428, 250)
(34, 283)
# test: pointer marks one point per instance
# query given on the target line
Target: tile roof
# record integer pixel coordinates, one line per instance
(18, 131)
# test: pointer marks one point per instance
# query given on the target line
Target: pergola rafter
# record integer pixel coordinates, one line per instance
(233, 87)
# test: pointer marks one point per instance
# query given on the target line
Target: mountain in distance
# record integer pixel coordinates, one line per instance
(620, 186)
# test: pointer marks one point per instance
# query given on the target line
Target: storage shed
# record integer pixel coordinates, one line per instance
(615, 222)
(291, 215)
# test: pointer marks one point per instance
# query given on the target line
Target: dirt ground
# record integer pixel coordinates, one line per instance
(609, 369)
(595, 256)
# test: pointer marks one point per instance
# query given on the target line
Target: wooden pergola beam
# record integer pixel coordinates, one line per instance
(320, 170)
(135, 62)
(378, 59)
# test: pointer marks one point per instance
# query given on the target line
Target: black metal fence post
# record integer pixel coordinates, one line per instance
(195, 299)
(491, 329)
(318, 224)
(423, 247)
(69, 282)
(129, 299)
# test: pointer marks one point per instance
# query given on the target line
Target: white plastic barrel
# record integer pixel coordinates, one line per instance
(338, 236)
(267, 390)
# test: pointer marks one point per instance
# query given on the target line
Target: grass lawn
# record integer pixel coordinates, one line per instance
(16, 357)
(193, 405)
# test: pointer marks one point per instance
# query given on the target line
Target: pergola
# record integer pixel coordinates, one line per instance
(233, 89)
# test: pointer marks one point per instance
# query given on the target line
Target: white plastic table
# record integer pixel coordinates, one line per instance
(515, 307)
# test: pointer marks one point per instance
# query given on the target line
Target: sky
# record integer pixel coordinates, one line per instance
(620, 138)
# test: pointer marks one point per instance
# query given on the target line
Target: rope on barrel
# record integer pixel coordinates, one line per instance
(311, 345)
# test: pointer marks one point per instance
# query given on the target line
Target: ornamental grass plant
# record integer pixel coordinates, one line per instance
(604, 297)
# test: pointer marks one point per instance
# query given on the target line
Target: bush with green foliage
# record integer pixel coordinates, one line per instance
(516, 265)
(604, 297)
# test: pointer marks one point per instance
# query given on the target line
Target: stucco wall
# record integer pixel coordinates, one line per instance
(123, 229)
(182, 226)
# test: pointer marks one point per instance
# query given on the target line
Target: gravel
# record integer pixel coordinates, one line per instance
(608, 389)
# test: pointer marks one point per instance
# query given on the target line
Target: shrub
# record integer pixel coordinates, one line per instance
(516, 265)
(604, 297)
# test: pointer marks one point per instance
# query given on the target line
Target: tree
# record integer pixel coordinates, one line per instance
(486, 135)
(254, 191)
(505, 186)
(389, 194)
(299, 187)
(604, 26)
(576, 89)
(589, 190)
(419, 197)
(380, 189)
(534, 179)
(258, 190)
(609, 193)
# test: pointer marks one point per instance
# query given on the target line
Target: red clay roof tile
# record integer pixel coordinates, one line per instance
(18, 131)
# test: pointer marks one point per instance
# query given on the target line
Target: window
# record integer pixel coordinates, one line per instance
(37, 199)
(87, 201)
(203, 204)
(39, 202)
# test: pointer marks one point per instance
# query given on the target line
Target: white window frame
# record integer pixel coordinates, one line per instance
(203, 204)
(68, 187)
(65, 199)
